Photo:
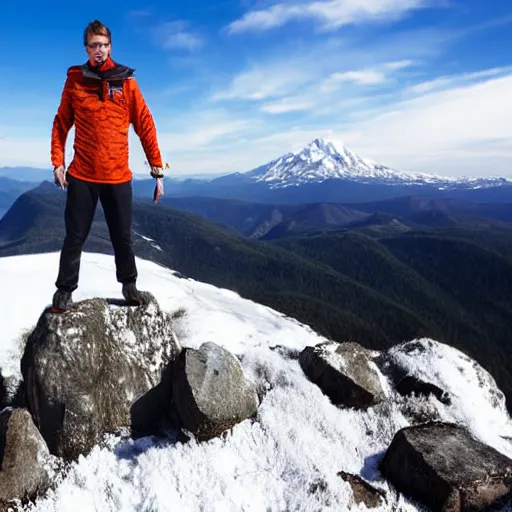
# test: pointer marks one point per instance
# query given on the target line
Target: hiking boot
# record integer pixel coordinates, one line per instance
(61, 301)
(132, 295)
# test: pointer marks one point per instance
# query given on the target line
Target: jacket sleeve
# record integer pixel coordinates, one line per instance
(144, 126)
(62, 123)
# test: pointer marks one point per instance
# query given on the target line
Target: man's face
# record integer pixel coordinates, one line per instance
(98, 49)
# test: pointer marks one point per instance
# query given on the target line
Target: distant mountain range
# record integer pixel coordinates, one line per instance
(325, 172)
(270, 221)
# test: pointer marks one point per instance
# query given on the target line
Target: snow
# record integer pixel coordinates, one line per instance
(150, 240)
(299, 440)
(324, 159)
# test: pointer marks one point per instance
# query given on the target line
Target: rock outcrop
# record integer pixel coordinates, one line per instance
(396, 364)
(100, 367)
(444, 467)
(345, 372)
(23, 458)
(211, 393)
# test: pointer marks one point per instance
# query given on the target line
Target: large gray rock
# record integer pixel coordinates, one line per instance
(23, 456)
(445, 468)
(210, 391)
(100, 367)
(345, 372)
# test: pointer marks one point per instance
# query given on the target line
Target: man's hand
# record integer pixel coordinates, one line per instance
(59, 177)
(159, 190)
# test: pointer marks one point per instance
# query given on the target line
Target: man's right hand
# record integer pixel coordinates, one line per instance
(59, 177)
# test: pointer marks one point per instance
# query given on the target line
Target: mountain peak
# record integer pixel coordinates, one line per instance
(325, 158)
(326, 144)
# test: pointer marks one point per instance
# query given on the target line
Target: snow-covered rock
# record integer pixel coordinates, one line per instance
(324, 159)
(210, 391)
(345, 372)
(96, 369)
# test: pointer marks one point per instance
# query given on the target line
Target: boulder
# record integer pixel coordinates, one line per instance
(100, 367)
(210, 391)
(23, 456)
(442, 466)
(362, 491)
(345, 372)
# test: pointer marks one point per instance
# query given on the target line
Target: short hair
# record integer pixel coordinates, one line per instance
(96, 28)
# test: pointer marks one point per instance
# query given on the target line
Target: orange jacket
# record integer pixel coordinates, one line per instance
(102, 105)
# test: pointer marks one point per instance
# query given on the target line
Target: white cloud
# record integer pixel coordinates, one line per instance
(289, 71)
(262, 82)
(443, 81)
(204, 135)
(369, 76)
(300, 81)
(175, 34)
(331, 14)
(398, 65)
(362, 77)
(461, 130)
(287, 105)
(310, 72)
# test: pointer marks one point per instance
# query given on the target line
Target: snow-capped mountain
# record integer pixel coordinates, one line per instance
(323, 159)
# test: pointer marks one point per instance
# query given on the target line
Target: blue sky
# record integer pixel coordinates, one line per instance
(418, 85)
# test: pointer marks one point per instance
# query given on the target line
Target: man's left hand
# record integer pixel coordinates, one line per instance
(159, 190)
(59, 176)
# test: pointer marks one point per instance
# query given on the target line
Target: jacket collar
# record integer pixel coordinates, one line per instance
(108, 70)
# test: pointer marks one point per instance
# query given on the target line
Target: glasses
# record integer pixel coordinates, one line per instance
(95, 46)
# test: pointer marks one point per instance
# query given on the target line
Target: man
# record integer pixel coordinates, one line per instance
(101, 98)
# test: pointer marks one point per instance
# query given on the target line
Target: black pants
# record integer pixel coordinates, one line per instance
(82, 199)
